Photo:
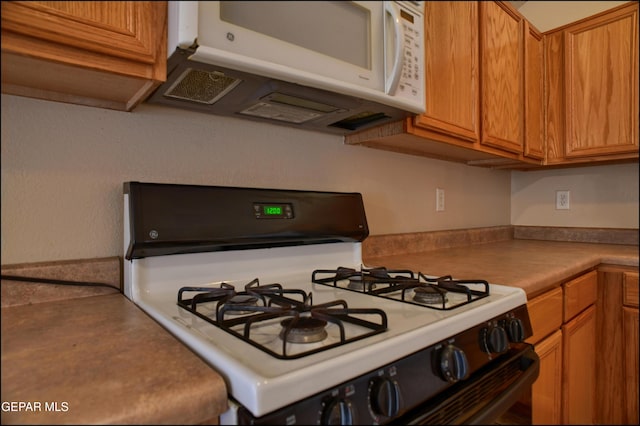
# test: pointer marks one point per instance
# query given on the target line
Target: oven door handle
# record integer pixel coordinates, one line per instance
(507, 398)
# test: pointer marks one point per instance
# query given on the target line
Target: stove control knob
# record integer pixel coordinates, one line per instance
(452, 363)
(493, 339)
(384, 396)
(337, 411)
(515, 330)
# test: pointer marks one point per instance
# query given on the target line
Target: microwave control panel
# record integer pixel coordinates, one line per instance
(412, 77)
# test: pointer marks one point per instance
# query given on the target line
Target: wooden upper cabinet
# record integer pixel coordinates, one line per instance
(502, 77)
(554, 104)
(103, 53)
(592, 88)
(601, 58)
(452, 69)
(534, 146)
(474, 83)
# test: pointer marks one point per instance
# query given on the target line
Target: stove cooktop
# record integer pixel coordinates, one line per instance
(263, 382)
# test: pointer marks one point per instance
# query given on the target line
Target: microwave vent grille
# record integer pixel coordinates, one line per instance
(201, 86)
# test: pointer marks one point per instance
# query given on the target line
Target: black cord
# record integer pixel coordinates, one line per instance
(54, 281)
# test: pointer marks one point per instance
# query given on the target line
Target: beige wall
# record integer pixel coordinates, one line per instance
(600, 196)
(63, 167)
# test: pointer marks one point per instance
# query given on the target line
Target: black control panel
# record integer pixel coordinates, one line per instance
(394, 390)
(168, 219)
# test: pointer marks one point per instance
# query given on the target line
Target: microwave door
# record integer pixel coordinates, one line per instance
(340, 41)
(394, 36)
(404, 53)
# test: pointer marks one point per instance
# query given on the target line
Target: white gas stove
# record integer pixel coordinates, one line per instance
(268, 286)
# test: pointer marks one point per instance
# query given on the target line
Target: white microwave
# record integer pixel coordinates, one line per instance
(336, 66)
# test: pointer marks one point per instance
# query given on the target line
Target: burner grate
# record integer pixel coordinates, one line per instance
(263, 314)
(368, 277)
(400, 284)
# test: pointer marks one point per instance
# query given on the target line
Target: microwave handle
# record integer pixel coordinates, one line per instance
(391, 82)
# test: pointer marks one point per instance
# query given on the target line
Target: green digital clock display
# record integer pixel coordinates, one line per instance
(273, 210)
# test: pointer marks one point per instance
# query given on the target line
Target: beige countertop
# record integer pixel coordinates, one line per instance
(533, 265)
(101, 360)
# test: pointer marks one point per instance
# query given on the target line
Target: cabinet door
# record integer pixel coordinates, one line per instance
(102, 53)
(630, 326)
(616, 375)
(533, 95)
(553, 99)
(630, 331)
(546, 392)
(601, 81)
(451, 64)
(579, 369)
(501, 50)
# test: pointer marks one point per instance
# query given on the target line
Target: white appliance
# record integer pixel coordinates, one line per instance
(332, 66)
(269, 288)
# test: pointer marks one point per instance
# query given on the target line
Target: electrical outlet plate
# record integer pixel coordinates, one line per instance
(439, 199)
(562, 200)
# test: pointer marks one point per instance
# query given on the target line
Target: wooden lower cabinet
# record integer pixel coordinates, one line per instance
(579, 342)
(546, 393)
(630, 332)
(578, 369)
(564, 327)
(630, 326)
(545, 313)
(617, 350)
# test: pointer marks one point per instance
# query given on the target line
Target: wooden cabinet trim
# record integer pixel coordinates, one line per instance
(631, 290)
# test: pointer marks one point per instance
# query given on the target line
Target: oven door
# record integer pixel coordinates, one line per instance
(485, 396)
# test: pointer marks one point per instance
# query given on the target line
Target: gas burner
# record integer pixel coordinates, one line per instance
(303, 330)
(356, 278)
(430, 295)
(346, 273)
(357, 283)
(270, 311)
(239, 301)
